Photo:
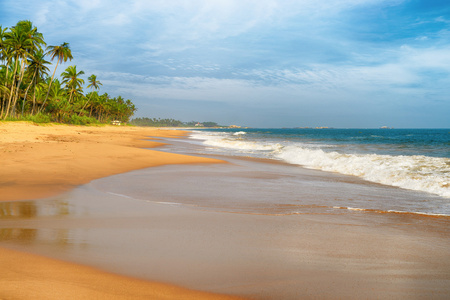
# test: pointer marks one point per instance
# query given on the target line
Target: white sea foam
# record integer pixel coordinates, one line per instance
(169, 203)
(120, 195)
(240, 133)
(222, 140)
(390, 211)
(421, 173)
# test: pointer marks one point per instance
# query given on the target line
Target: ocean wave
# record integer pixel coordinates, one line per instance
(414, 172)
(240, 133)
(391, 211)
(420, 173)
(233, 142)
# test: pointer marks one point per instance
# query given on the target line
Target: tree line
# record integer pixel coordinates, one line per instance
(28, 92)
(158, 122)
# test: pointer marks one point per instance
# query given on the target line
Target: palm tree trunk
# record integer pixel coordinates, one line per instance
(34, 101)
(22, 73)
(85, 105)
(26, 92)
(49, 87)
(70, 97)
(11, 92)
(3, 103)
(4, 95)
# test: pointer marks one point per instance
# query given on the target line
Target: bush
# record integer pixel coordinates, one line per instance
(77, 120)
(39, 118)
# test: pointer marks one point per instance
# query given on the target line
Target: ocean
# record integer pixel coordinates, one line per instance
(410, 159)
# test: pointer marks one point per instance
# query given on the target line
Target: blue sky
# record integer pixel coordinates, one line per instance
(260, 63)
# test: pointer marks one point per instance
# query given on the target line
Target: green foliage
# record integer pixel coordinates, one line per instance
(28, 93)
(38, 118)
(156, 122)
(83, 120)
(210, 124)
(170, 123)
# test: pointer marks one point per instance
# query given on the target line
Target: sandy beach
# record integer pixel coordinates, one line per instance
(113, 220)
(44, 160)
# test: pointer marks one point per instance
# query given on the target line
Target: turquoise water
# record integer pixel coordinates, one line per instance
(428, 142)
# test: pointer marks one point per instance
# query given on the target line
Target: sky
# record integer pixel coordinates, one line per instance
(260, 63)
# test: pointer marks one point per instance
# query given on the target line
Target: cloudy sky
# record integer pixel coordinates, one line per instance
(260, 63)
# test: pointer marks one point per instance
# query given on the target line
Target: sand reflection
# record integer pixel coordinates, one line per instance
(18, 234)
(32, 222)
(32, 209)
(20, 209)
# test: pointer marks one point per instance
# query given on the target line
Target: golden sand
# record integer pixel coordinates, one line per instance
(40, 161)
(29, 276)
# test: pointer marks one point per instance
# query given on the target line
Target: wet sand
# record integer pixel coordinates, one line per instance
(320, 254)
(215, 228)
(29, 276)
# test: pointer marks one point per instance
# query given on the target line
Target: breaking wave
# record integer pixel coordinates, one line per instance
(414, 172)
(417, 172)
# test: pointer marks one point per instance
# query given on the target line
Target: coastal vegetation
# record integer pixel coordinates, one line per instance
(27, 92)
(154, 122)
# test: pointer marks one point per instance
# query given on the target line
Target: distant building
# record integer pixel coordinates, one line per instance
(115, 122)
(199, 124)
(234, 126)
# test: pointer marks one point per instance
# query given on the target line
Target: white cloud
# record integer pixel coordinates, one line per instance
(403, 74)
(442, 19)
(189, 20)
(407, 67)
(88, 5)
(430, 58)
(183, 88)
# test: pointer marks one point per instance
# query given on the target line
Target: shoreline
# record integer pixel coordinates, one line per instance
(314, 255)
(39, 161)
(157, 225)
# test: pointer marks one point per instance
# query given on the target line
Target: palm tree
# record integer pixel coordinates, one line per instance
(37, 67)
(131, 109)
(3, 48)
(100, 106)
(22, 70)
(62, 53)
(94, 84)
(72, 81)
(4, 91)
(22, 40)
(94, 96)
(4, 57)
(57, 98)
(37, 41)
(18, 43)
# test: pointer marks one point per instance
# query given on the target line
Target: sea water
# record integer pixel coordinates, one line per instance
(413, 159)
